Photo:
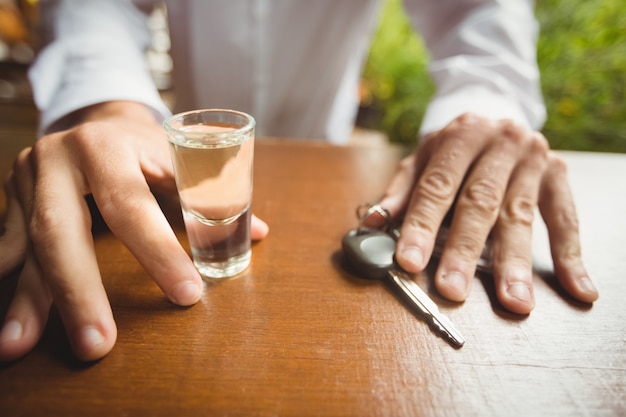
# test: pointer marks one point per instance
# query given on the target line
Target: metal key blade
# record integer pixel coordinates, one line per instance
(428, 307)
(370, 252)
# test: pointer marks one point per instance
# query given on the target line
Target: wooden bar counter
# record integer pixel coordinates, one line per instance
(296, 335)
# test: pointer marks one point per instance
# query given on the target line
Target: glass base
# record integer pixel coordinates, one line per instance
(223, 269)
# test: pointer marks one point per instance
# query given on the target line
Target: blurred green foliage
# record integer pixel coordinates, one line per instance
(581, 54)
(396, 85)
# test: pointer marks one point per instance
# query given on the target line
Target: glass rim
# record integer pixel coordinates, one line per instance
(178, 117)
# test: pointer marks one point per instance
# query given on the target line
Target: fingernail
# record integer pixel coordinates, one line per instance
(587, 286)
(413, 255)
(92, 336)
(456, 282)
(519, 291)
(186, 293)
(11, 331)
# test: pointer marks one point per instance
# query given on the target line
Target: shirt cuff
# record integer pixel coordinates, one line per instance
(65, 81)
(480, 100)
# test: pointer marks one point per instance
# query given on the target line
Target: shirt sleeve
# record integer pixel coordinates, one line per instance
(95, 53)
(483, 60)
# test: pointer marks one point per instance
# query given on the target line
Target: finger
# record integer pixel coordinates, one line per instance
(145, 231)
(398, 192)
(135, 217)
(558, 210)
(475, 213)
(13, 235)
(258, 228)
(512, 236)
(60, 230)
(435, 189)
(27, 315)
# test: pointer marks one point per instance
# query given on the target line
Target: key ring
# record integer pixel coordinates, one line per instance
(366, 210)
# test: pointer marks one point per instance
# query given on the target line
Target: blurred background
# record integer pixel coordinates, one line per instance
(581, 53)
(17, 46)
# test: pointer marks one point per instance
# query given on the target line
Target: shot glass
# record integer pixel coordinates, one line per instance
(213, 152)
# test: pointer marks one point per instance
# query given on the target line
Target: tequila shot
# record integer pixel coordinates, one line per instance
(212, 153)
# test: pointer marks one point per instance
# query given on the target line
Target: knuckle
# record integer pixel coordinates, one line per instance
(567, 219)
(538, 148)
(520, 137)
(80, 141)
(556, 164)
(483, 195)
(115, 199)
(88, 136)
(512, 130)
(122, 200)
(407, 163)
(42, 149)
(46, 222)
(514, 134)
(468, 121)
(467, 247)
(540, 143)
(419, 221)
(465, 127)
(437, 185)
(519, 210)
(569, 253)
(22, 162)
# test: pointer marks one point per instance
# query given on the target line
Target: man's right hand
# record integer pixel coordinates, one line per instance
(118, 153)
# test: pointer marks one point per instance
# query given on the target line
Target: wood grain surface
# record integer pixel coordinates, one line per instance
(297, 335)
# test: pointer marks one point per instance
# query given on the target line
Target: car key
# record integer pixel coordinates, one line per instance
(371, 253)
(364, 211)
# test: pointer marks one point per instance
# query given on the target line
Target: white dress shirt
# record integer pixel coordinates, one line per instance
(292, 64)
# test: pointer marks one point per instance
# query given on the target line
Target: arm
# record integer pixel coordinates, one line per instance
(483, 60)
(94, 53)
(481, 154)
(101, 138)
(115, 154)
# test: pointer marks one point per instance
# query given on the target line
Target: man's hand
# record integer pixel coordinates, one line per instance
(495, 173)
(117, 153)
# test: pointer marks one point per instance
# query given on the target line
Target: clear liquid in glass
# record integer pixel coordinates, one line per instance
(214, 182)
